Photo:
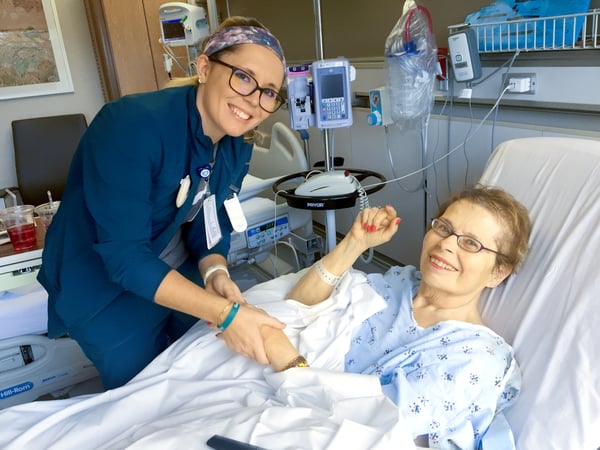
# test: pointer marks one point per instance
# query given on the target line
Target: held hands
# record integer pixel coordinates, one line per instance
(245, 334)
(375, 226)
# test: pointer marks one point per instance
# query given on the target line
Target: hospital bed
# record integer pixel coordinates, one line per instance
(197, 388)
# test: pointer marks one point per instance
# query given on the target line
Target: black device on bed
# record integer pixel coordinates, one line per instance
(219, 442)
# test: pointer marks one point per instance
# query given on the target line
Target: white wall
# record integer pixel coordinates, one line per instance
(469, 141)
(86, 98)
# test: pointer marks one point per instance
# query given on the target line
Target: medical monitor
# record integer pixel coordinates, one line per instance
(182, 24)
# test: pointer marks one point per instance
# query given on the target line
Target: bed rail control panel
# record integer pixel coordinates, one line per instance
(33, 365)
(12, 358)
(268, 232)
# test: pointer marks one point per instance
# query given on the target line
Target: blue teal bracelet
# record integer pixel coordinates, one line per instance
(232, 312)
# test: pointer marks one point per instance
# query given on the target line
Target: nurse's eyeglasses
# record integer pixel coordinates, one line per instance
(443, 229)
(245, 84)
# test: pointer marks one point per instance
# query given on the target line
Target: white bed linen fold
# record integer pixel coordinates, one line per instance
(198, 387)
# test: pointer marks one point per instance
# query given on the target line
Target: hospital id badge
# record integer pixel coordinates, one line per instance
(211, 221)
(236, 213)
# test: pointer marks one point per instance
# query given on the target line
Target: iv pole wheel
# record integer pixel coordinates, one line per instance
(282, 188)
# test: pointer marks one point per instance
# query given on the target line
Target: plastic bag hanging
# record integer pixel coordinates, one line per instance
(411, 66)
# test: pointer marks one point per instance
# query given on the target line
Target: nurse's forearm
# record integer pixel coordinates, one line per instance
(179, 293)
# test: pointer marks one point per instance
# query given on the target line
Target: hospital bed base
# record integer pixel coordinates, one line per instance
(34, 365)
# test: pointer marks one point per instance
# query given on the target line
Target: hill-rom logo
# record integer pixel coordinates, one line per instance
(16, 390)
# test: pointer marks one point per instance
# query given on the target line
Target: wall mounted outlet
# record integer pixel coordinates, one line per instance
(520, 83)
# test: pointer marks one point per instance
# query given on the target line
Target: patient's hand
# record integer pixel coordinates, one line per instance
(223, 286)
(278, 348)
(374, 226)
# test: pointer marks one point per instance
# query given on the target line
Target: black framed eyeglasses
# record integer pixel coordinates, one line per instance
(245, 84)
(472, 245)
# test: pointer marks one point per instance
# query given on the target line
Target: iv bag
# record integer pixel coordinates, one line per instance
(411, 66)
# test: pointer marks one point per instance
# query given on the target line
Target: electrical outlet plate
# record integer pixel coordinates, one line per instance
(532, 85)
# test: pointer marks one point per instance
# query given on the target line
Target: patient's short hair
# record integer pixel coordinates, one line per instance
(514, 242)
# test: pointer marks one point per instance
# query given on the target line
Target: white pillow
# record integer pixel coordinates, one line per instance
(550, 310)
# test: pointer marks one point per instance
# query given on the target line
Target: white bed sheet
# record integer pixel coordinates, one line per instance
(198, 388)
(23, 310)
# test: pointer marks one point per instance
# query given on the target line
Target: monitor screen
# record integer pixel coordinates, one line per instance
(332, 85)
(173, 29)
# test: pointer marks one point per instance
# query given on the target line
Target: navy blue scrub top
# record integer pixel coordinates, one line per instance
(118, 210)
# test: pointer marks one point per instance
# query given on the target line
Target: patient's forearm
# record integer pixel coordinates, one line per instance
(278, 347)
(312, 288)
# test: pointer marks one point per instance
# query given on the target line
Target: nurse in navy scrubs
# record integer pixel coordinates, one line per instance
(137, 251)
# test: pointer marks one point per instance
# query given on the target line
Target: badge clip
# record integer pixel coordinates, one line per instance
(184, 189)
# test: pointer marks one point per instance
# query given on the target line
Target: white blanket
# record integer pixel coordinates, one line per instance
(24, 310)
(198, 388)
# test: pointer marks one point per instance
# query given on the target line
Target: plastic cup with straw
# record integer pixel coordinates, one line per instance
(46, 211)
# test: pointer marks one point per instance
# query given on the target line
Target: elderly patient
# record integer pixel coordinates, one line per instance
(448, 373)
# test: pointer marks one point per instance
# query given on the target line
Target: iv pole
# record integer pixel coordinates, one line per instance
(330, 230)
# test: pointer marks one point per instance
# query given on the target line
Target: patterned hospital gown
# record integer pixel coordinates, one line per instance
(449, 380)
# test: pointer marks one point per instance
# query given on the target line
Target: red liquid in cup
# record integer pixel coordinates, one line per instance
(22, 237)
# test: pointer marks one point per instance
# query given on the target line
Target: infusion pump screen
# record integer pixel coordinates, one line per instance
(332, 86)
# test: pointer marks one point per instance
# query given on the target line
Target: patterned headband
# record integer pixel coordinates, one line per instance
(230, 36)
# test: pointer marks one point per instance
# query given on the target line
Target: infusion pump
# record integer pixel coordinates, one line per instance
(182, 24)
(319, 94)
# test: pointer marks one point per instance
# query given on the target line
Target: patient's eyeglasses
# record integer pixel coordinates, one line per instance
(443, 229)
(245, 84)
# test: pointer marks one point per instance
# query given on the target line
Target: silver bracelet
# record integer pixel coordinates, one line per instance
(325, 274)
(213, 269)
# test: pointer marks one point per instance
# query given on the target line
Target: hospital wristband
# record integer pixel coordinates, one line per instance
(232, 313)
(213, 269)
(325, 275)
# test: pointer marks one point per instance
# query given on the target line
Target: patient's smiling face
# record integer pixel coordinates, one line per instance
(452, 272)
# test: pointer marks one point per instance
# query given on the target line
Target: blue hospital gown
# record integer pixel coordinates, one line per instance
(449, 379)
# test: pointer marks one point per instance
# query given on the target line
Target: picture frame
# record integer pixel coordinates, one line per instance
(17, 81)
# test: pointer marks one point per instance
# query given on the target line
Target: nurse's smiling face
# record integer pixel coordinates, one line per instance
(224, 111)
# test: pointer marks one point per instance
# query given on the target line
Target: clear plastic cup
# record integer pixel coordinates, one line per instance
(46, 212)
(19, 223)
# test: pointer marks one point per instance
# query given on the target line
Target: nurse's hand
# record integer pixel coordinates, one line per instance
(244, 336)
(219, 283)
